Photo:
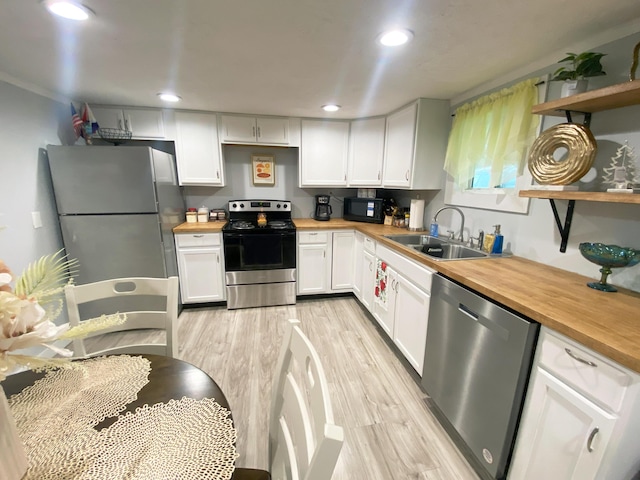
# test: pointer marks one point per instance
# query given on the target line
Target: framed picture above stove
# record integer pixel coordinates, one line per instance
(263, 169)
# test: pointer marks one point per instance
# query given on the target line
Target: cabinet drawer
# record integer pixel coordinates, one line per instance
(369, 245)
(197, 239)
(586, 371)
(313, 237)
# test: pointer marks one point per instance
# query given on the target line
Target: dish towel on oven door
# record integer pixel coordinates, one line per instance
(380, 291)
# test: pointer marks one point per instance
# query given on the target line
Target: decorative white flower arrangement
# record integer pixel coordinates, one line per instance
(27, 314)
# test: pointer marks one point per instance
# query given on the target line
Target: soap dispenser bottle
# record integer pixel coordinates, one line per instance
(433, 228)
(498, 240)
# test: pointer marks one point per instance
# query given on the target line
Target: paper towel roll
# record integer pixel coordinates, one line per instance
(416, 212)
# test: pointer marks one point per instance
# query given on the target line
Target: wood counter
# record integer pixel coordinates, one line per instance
(608, 323)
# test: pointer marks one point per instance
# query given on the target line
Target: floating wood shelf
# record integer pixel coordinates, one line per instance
(565, 228)
(608, 98)
(588, 196)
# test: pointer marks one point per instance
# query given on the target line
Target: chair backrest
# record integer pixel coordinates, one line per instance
(120, 290)
(304, 443)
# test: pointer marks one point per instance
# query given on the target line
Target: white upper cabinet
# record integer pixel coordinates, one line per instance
(142, 123)
(249, 129)
(366, 151)
(415, 145)
(198, 149)
(323, 153)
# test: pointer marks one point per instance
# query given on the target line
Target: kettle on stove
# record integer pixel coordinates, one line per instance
(323, 210)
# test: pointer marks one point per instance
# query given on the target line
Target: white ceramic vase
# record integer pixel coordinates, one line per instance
(571, 87)
(13, 459)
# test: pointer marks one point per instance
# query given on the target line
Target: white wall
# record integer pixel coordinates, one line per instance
(28, 122)
(237, 164)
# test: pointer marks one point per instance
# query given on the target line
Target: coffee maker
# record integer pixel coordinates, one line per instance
(323, 210)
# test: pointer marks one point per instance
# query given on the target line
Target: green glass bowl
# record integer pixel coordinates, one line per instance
(608, 257)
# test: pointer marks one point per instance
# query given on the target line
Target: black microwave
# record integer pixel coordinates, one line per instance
(363, 209)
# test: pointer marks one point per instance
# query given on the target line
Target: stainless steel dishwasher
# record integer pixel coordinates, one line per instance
(477, 363)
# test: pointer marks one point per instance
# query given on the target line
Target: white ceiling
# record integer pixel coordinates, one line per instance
(289, 57)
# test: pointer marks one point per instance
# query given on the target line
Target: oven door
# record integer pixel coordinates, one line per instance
(244, 252)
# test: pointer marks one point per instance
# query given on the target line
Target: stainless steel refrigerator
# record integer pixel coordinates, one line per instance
(117, 206)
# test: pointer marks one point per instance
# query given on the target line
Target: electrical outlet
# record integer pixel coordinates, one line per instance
(36, 219)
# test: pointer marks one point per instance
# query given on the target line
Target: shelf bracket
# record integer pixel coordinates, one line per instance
(564, 230)
(587, 117)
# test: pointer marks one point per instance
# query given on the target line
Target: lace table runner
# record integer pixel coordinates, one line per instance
(184, 438)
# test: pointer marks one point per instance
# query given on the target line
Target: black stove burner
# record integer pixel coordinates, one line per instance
(278, 224)
(241, 225)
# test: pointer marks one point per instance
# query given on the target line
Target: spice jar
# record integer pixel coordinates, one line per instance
(192, 215)
(203, 214)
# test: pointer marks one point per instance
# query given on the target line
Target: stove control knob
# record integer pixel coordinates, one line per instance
(278, 205)
(235, 205)
(286, 205)
(242, 205)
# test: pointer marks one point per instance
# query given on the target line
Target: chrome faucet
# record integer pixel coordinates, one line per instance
(435, 217)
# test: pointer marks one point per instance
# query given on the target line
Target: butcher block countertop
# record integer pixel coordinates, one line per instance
(608, 323)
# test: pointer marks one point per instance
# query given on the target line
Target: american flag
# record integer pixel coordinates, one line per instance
(76, 121)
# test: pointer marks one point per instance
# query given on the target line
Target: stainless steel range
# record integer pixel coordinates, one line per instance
(260, 254)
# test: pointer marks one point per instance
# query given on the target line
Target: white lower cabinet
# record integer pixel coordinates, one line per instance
(581, 413)
(364, 278)
(403, 312)
(201, 267)
(314, 263)
(342, 261)
(325, 262)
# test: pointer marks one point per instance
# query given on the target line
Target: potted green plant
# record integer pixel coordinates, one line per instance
(582, 66)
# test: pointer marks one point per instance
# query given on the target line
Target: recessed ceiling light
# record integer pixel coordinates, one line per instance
(394, 38)
(68, 9)
(169, 97)
(331, 107)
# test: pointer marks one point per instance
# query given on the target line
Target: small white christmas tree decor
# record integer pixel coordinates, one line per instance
(621, 173)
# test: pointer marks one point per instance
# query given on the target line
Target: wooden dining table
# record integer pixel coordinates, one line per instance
(169, 379)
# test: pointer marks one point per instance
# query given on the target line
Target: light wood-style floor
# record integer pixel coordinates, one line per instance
(389, 432)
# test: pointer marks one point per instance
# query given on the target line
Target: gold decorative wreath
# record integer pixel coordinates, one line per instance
(581, 146)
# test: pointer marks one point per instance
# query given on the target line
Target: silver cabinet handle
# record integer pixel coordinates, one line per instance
(259, 134)
(314, 234)
(407, 175)
(198, 236)
(592, 435)
(217, 258)
(120, 123)
(578, 359)
(253, 130)
(218, 174)
(378, 174)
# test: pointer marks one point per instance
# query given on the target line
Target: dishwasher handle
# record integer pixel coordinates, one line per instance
(468, 312)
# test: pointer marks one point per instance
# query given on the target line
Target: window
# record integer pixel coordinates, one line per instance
(488, 146)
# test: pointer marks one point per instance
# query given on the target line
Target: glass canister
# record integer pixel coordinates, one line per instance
(192, 215)
(203, 214)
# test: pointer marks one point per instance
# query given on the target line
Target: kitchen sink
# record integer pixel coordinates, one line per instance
(413, 240)
(450, 251)
(439, 249)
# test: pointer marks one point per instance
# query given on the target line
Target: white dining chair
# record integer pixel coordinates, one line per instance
(304, 443)
(118, 291)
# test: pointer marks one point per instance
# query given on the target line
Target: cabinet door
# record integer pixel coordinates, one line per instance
(384, 311)
(109, 117)
(144, 123)
(342, 258)
(411, 318)
(368, 279)
(323, 153)
(312, 269)
(198, 149)
(238, 128)
(399, 147)
(562, 434)
(366, 151)
(201, 274)
(358, 251)
(273, 130)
